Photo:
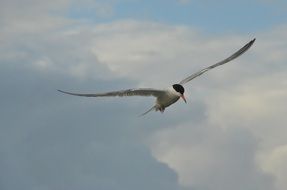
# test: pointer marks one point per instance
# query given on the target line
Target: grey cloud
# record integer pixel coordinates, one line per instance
(53, 141)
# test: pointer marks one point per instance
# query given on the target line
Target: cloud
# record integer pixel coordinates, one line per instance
(154, 45)
(51, 141)
(274, 162)
(208, 157)
(231, 133)
(243, 124)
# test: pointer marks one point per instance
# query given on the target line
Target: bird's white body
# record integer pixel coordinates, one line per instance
(167, 97)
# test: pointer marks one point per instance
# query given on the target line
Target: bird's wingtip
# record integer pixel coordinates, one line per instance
(62, 91)
(249, 44)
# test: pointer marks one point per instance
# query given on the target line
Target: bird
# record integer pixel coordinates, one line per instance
(168, 96)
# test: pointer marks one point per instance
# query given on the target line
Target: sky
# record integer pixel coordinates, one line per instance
(230, 135)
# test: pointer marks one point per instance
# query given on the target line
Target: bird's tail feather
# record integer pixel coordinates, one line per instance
(152, 108)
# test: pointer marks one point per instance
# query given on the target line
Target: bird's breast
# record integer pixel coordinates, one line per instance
(167, 99)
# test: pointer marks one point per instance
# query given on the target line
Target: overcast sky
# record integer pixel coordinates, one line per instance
(231, 134)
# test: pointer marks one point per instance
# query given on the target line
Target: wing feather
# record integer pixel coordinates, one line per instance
(230, 58)
(121, 93)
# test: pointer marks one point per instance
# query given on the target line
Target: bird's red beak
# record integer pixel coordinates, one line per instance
(182, 96)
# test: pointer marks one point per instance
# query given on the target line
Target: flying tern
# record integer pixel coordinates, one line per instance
(165, 97)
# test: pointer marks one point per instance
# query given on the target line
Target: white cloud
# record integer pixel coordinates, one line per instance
(275, 163)
(140, 49)
(248, 95)
(254, 100)
(132, 48)
(209, 157)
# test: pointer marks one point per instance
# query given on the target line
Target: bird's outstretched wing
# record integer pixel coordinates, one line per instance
(230, 58)
(129, 92)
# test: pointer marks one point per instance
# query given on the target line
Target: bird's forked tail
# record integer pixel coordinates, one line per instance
(152, 108)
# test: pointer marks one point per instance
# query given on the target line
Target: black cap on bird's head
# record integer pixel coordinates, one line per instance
(179, 88)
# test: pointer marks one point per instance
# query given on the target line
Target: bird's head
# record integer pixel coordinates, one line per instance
(180, 90)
